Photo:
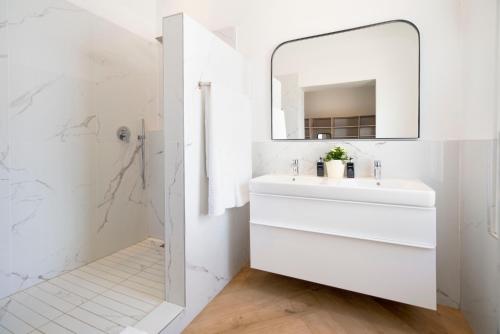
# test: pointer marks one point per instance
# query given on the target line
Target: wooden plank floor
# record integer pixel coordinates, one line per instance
(260, 302)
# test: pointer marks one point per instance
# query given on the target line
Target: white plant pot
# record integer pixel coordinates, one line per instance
(335, 169)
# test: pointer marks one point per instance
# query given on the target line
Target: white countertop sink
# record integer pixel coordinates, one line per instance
(385, 191)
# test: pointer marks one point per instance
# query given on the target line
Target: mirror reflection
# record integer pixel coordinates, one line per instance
(357, 84)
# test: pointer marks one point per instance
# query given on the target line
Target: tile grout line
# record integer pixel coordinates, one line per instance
(115, 285)
(107, 319)
(140, 253)
(119, 265)
(81, 286)
(114, 269)
(131, 258)
(147, 249)
(147, 245)
(101, 277)
(152, 280)
(147, 293)
(95, 283)
(102, 294)
(61, 311)
(137, 252)
(61, 288)
(79, 306)
(109, 289)
(135, 257)
(118, 284)
(29, 308)
(117, 292)
(82, 321)
(52, 321)
(132, 261)
(118, 302)
(139, 283)
(17, 317)
(47, 304)
(141, 271)
(122, 264)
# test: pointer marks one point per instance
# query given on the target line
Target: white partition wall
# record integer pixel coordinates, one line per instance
(174, 165)
(4, 148)
(203, 252)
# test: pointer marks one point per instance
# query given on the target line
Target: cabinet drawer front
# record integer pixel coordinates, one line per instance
(404, 225)
(400, 273)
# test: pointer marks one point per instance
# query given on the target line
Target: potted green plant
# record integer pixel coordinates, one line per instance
(335, 162)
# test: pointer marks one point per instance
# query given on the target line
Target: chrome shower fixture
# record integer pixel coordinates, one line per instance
(123, 133)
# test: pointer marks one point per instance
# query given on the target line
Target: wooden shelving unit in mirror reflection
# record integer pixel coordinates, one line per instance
(352, 127)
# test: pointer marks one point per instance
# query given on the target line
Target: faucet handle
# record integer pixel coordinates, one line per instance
(377, 169)
(295, 167)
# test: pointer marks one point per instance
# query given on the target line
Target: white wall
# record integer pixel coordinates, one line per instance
(340, 102)
(262, 25)
(139, 17)
(479, 40)
(480, 251)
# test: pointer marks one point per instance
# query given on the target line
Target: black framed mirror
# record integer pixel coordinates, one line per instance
(355, 84)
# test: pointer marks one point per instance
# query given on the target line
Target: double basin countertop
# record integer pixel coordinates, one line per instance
(404, 192)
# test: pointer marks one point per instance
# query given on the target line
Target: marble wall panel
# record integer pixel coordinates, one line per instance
(215, 248)
(72, 187)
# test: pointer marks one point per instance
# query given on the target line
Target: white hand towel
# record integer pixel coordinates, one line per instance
(228, 148)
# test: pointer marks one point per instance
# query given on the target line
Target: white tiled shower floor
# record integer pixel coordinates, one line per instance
(102, 297)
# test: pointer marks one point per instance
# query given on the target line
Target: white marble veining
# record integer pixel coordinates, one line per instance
(155, 199)
(5, 234)
(215, 247)
(174, 165)
(68, 187)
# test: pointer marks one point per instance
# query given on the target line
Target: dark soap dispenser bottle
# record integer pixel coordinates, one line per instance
(320, 167)
(350, 169)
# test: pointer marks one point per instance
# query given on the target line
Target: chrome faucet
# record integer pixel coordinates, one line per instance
(295, 167)
(377, 169)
